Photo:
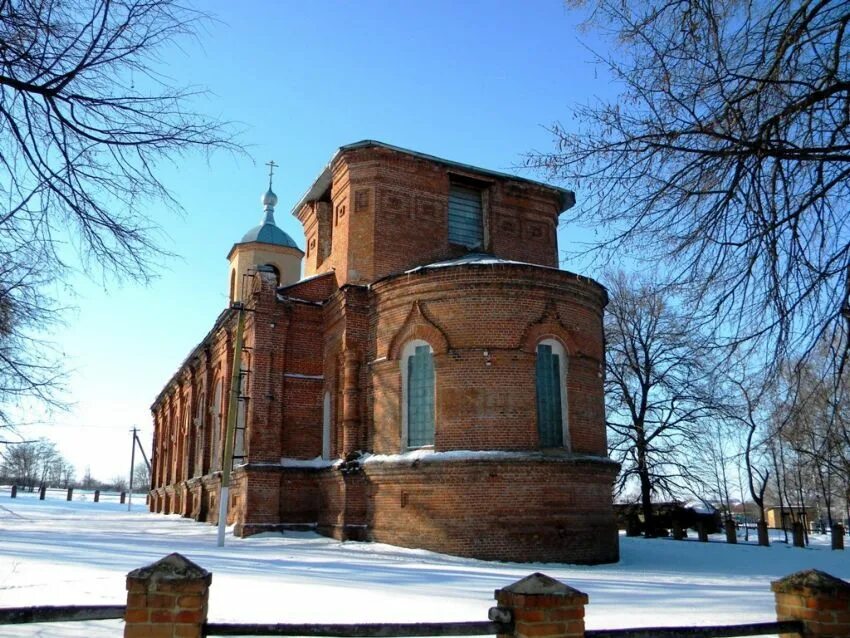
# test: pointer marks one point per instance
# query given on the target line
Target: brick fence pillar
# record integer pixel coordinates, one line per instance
(820, 601)
(167, 599)
(542, 607)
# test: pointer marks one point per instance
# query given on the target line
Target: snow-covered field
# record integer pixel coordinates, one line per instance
(54, 552)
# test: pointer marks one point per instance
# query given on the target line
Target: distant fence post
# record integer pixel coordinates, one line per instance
(633, 527)
(41, 492)
(837, 536)
(14, 491)
(168, 598)
(820, 601)
(542, 607)
(70, 494)
(797, 534)
(731, 531)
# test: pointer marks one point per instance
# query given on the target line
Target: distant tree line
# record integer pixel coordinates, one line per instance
(35, 464)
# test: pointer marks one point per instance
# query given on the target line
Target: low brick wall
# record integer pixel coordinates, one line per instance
(170, 598)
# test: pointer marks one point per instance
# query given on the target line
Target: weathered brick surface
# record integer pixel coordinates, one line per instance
(167, 599)
(336, 339)
(820, 601)
(530, 510)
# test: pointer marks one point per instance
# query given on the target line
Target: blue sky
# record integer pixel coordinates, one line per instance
(476, 82)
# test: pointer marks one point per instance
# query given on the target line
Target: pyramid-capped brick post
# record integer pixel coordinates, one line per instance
(543, 607)
(820, 601)
(167, 599)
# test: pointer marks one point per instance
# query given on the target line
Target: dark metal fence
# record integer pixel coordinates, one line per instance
(63, 613)
(76, 613)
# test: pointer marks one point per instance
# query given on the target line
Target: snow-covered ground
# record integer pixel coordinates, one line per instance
(54, 552)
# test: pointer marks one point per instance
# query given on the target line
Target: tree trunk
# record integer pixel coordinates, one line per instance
(649, 530)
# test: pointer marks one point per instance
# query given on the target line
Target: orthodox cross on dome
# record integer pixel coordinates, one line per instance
(271, 166)
(270, 199)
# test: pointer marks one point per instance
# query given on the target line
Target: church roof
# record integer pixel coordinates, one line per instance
(323, 181)
(268, 231)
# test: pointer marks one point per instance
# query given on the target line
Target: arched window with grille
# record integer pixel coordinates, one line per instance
(551, 384)
(417, 390)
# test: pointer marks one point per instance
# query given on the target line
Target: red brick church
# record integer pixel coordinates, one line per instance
(432, 380)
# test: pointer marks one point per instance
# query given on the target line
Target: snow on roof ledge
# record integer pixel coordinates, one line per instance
(431, 456)
(477, 259)
(317, 462)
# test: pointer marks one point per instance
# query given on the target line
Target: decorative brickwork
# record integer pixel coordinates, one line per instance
(323, 370)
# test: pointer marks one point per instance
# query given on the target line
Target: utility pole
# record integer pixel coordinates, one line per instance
(142, 450)
(132, 465)
(232, 410)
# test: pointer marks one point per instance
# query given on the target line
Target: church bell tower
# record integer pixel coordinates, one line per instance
(267, 246)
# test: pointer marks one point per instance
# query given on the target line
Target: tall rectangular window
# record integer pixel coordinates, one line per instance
(550, 424)
(466, 225)
(420, 397)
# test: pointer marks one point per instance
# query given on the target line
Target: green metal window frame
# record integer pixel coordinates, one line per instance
(550, 395)
(420, 397)
(466, 216)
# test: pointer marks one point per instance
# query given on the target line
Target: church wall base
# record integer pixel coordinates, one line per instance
(472, 508)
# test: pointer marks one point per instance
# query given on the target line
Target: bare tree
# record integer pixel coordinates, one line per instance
(749, 405)
(141, 477)
(726, 155)
(85, 121)
(815, 426)
(32, 463)
(657, 388)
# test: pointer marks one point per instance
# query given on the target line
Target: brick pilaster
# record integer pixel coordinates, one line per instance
(542, 607)
(820, 601)
(167, 599)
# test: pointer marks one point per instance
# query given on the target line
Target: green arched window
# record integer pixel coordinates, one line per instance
(417, 380)
(550, 376)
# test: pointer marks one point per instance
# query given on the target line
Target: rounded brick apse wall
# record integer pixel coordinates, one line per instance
(483, 323)
(555, 509)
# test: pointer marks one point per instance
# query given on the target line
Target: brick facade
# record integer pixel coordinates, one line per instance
(324, 369)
